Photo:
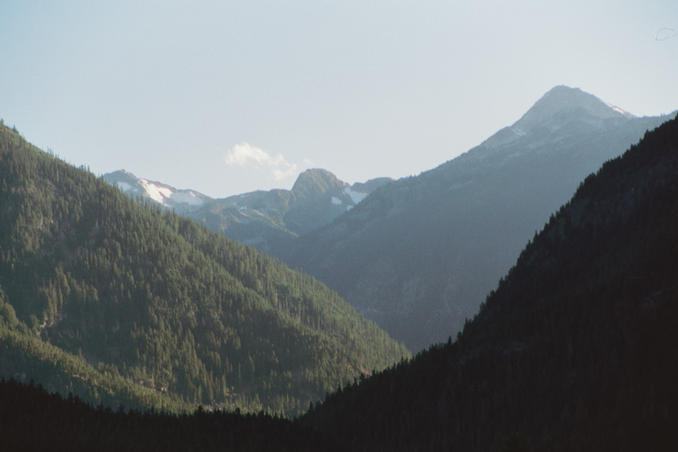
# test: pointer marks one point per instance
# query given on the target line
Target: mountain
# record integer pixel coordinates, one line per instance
(319, 197)
(419, 255)
(260, 218)
(140, 293)
(574, 351)
(162, 194)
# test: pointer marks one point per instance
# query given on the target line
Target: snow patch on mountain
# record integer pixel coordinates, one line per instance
(620, 110)
(187, 197)
(156, 192)
(356, 196)
(336, 201)
(163, 194)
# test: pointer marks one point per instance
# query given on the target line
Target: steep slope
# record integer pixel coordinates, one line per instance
(170, 305)
(319, 197)
(25, 357)
(574, 351)
(262, 218)
(419, 255)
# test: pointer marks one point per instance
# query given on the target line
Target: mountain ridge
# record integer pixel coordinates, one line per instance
(419, 255)
(564, 99)
(259, 218)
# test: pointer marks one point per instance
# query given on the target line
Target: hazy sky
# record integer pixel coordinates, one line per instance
(226, 97)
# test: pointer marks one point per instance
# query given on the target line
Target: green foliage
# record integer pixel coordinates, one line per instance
(31, 420)
(168, 304)
(7, 314)
(25, 357)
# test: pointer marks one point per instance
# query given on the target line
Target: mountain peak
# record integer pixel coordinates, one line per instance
(163, 194)
(121, 173)
(316, 181)
(563, 99)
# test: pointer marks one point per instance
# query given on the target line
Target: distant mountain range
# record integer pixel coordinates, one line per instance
(418, 255)
(138, 306)
(258, 218)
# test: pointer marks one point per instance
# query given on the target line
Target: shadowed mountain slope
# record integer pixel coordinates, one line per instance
(419, 255)
(574, 351)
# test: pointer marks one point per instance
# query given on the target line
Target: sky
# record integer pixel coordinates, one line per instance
(228, 97)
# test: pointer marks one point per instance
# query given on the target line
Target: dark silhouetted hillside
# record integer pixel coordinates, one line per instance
(33, 420)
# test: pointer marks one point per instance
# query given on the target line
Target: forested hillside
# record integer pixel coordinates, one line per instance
(32, 420)
(25, 357)
(574, 351)
(164, 302)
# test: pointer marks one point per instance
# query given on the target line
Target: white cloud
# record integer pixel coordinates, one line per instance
(246, 155)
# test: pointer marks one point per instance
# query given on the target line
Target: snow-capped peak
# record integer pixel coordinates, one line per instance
(163, 194)
(563, 100)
